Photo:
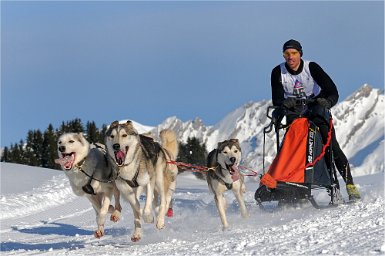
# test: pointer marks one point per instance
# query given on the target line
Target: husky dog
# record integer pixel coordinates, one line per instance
(141, 163)
(90, 175)
(224, 175)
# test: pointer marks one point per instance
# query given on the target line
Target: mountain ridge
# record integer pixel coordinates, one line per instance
(358, 121)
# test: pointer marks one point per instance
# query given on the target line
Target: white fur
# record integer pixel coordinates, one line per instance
(76, 143)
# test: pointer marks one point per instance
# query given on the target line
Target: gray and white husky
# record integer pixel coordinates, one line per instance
(223, 175)
(141, 163)
(87, 167)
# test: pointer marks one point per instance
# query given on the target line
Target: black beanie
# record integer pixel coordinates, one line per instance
(292, 44)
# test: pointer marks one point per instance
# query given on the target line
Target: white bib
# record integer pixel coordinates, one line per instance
(299, 86)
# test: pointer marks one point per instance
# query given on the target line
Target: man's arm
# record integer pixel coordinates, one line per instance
(277, 91)
(328, 88)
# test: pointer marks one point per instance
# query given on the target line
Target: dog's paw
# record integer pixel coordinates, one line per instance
(99, 233)
(245, 215)
(170, 212)
(136, 236)
(115, 216)
(148, 218)
(225, 227)
(160, 224)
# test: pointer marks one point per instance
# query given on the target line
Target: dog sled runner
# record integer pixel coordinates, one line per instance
(300, 168)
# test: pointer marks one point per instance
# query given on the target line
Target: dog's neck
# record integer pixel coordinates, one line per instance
(79, 165)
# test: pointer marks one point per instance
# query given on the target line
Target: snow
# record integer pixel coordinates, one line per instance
(41, 216)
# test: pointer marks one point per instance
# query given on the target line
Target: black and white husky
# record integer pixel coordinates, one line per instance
(223, 175)
(139, 164)
(87, 167)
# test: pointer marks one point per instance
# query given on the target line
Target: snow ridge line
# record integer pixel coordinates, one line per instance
(54, 192)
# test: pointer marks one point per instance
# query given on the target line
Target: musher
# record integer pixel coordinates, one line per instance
(297, 79)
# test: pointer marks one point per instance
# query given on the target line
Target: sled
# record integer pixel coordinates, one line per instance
(303, 168)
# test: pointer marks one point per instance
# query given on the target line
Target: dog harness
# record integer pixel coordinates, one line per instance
(134, 182)
(79, 167)
(215, 176)
(151, 150)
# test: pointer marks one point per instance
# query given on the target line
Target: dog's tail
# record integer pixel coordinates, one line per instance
(170, 143)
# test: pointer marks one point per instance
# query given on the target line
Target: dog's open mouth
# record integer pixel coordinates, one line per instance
(66, 161)
(234, 171)
(119, 157)
(232, 168)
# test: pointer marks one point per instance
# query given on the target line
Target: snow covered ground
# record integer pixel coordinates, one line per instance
(40, 216)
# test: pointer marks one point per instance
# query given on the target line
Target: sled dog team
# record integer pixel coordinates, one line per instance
(130, 164)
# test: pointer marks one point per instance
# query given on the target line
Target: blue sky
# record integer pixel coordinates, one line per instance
(146, 61)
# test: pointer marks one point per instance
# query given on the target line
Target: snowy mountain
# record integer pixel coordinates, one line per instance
(358, 120)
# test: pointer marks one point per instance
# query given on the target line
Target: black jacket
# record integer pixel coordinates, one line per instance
(328, 88)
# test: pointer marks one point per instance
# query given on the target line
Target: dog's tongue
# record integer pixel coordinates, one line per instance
(119, 156)
(66, 161)
(234, 173)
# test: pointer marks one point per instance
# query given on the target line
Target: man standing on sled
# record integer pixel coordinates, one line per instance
(297, 79)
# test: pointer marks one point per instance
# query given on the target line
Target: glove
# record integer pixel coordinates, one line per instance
(289, 103)
(324, 103)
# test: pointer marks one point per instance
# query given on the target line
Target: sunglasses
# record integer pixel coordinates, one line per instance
(289, 54)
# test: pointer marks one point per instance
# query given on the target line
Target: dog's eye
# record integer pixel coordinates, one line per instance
(124, 135)
(112, 136)
(71, 141)
(236, 151)
(224, 152)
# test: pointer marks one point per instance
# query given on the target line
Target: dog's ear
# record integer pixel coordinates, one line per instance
(129, 124)
(219, 145)
(80, 137)
(114, 124)
(236, 143)
(212, 158)
(130, 128)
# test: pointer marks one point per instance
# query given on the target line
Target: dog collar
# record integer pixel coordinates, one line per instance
(79, 165)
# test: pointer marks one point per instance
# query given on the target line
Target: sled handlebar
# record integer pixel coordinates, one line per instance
(284, 110)
(276, 113)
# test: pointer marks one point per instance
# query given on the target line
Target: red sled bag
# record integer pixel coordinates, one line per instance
(295, 160)
(298, 166)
